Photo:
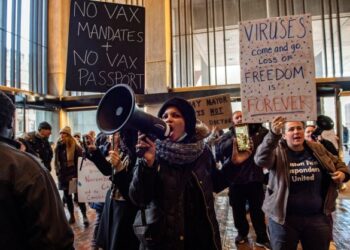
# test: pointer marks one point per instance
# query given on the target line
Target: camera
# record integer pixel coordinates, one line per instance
(323, 123)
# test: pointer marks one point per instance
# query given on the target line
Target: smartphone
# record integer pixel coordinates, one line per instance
(86, 143)
(242, 137)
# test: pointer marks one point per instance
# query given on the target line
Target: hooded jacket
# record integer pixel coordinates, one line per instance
(31, 212)
(272, 154)
(177, 189)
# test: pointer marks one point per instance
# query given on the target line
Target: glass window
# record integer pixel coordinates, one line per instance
(9, 37)
(206, 44)
(30, 121)
(24, 44)
(82, 121)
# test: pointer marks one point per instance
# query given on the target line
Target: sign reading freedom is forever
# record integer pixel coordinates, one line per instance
(277, 69)
(106, 46)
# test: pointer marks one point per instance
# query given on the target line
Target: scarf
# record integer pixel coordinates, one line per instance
(179, 153)
(70, 151)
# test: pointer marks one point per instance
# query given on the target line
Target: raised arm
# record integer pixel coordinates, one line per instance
(142, 187)
(264, 156)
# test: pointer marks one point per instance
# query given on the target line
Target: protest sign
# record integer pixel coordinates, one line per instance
(213, 110)
(277, 69)
(106, 46)
(92, 185)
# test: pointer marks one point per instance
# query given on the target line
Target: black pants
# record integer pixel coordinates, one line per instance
(69, 200)
(116, 226)
(254, 194)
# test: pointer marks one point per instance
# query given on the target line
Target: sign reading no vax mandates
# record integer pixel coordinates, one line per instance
(106, 46)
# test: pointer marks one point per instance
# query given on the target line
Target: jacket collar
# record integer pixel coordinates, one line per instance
(10, 142)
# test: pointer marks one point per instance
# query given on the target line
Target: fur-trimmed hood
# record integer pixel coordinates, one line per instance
(202, 131)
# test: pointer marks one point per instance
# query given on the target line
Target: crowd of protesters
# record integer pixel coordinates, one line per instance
(163, 198)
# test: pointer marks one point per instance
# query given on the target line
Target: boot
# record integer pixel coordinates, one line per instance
(85, 220)
(71, 218)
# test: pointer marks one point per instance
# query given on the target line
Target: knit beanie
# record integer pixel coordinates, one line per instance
(185, 109)
(44, 125)
(66, 130)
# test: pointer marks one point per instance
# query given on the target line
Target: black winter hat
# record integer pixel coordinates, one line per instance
(186, 110)
(44, 125)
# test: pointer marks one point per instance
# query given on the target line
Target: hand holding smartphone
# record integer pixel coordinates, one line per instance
(86, 143)
(242, 137)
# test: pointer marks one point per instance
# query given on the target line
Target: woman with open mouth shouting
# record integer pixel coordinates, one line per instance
(174, 182)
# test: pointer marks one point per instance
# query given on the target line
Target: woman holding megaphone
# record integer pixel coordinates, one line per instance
(174, 182)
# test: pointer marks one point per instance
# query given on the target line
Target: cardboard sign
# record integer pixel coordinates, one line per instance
(106, 46)
(92, 184)
(277, 69)
(214, 110)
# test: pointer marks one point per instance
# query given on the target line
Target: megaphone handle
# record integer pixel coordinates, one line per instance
(140, 152)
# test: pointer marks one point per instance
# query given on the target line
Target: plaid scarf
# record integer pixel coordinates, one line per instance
(179, 153)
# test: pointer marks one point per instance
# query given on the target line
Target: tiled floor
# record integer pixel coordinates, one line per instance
(228, 232)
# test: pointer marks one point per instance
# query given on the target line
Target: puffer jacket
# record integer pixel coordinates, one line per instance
(31, 212)
(164, 184)
(272, 154)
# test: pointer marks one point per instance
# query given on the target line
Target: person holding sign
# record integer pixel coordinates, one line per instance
(115, 228)
(302, 187)
(174, 182)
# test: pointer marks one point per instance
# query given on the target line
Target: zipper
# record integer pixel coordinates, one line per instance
(206, 210)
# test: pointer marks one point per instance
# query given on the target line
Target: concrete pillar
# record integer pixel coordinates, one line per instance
(157, 52)
(58, 27)
(158, 48)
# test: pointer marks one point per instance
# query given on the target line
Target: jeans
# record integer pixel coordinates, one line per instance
(313, 231)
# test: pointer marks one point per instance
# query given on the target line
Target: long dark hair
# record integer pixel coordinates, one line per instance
(128, 140)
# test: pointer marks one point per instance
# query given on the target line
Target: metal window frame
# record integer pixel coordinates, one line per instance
(12, 76)
(18, 10)
(44, 47)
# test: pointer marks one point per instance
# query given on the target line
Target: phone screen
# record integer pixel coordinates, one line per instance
(86, 143)
(242, 136)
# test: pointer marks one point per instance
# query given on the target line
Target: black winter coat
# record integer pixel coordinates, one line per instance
(115, 229)
(185, 194)
(249, 172)
(31, 211)
(41, 147)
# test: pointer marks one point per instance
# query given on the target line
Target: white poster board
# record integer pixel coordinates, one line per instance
(213, 110)
(92, 184)
(277, 69)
